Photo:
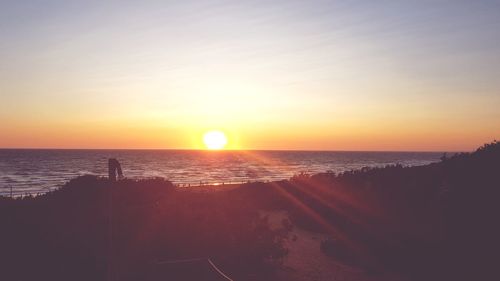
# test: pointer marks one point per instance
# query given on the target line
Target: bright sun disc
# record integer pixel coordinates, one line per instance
(215, 140)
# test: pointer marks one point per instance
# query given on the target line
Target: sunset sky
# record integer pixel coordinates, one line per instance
(313, 75)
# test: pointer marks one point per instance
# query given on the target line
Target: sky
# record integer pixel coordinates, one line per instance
(305, 75)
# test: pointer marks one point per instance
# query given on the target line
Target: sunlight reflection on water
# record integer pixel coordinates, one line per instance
(38, 171)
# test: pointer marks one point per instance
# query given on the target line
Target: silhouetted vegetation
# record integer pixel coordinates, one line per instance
(92, 225)
(433, 222)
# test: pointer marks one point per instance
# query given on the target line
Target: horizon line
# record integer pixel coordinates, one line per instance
(232, 150)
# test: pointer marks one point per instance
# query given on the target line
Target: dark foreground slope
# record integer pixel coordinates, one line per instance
(94, 229)
(434, 222)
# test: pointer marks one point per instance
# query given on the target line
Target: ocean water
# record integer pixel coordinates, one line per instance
(41, 170)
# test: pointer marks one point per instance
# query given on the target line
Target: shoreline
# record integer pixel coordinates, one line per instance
(37, 171)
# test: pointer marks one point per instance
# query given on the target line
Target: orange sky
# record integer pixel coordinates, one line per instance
(333, 137)
(304, 75)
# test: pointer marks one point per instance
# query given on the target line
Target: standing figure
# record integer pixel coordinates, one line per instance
(114, 168)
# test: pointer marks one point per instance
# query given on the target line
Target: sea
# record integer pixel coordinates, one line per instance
(37, 171)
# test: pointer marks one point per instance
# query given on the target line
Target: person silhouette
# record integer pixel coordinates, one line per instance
(114, 168)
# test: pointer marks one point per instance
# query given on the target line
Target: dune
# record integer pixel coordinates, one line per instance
(429, 222)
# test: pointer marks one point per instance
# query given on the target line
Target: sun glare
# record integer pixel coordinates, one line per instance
(215, 140)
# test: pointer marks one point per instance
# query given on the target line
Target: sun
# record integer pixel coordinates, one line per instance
(215, 140)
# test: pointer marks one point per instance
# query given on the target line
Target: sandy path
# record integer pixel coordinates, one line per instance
(306, 262)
